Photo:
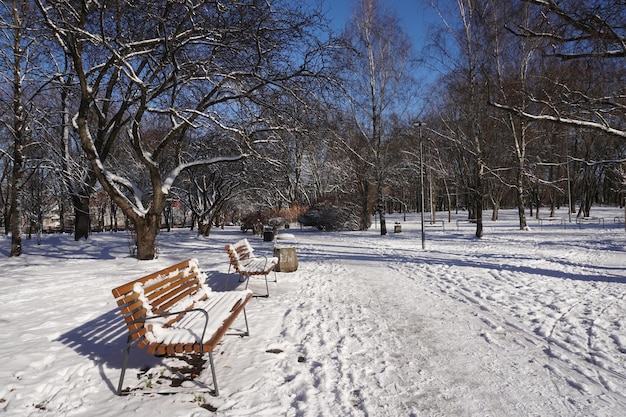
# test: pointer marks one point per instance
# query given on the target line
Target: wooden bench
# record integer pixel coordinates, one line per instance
(173, 311)
(246, 263)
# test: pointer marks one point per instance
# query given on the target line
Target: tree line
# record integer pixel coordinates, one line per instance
(232, 107)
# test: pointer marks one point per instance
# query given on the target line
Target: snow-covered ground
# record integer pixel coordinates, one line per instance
(516, 324)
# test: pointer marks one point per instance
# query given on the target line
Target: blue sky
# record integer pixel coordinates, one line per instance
(414, 15)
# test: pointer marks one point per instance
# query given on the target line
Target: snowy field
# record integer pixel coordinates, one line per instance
(516, 324)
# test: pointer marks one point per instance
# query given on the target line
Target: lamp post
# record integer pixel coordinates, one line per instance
(419, 129)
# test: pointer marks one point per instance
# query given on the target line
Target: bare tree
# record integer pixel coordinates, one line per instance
(187, 66)
(208, 194)
(23, 80)
(515, 61)
(379, 73)
(575, 31)
(464, 117)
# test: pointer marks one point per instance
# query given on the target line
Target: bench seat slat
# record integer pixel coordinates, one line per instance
(188, 329)
(258, 265)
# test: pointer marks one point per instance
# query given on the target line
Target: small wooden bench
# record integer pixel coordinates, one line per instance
(246, 263)
(173, 311)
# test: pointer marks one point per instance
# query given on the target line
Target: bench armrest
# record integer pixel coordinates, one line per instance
(173, 313)
(266, 259)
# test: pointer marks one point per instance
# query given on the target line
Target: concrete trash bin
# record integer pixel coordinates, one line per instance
(285, 251)
(287, 258)
(397, 228)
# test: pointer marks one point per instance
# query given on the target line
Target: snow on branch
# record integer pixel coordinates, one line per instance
(562, 120)
(114, 179)
(169, 181)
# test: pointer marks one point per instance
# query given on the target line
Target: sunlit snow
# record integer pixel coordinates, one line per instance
(519, 323)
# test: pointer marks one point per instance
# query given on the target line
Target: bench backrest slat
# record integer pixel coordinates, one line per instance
(128, 287)
(163, 297)
(239, 251)
(243, 248)
(131, 307)
(162, 289)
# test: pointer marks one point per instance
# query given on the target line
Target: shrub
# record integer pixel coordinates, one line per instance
(327, 216)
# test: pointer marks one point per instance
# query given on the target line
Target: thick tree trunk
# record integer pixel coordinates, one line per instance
(146, 229)
(479, 218)
(204, 227)
(82, 220)
(16, 227)
(521, 209)
(479, 201)
(15, 211)
(380, 208)
(496, 211)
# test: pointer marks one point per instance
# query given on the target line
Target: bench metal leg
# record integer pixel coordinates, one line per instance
(247, 279)
(217, 393)
(129, 342)
(227, 277)
(245, 317)
(267, 288)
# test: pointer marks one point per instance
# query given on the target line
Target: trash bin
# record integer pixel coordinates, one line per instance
(397, 228)
(268, 234)
(287, 258)
(285, 251)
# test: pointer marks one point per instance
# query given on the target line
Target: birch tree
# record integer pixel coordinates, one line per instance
(379, 82)
(23, 80)
(462, 45)
(515, 62)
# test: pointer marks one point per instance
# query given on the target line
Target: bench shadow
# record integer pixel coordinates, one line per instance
(222, 281)
(102, 340)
